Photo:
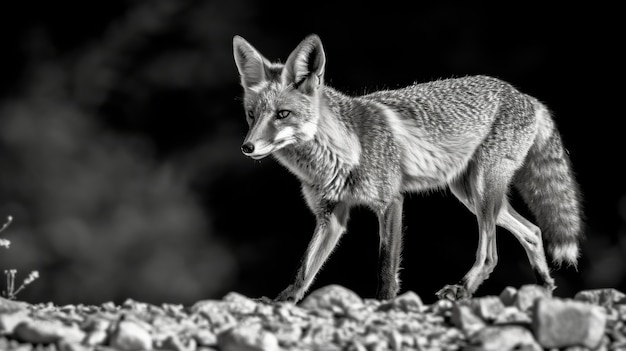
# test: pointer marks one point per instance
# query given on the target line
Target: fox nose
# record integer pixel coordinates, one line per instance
(247, 148)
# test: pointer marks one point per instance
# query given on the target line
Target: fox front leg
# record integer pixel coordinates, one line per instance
(331, 224)
(390, 249)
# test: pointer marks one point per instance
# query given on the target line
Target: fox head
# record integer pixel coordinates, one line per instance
(281, 100)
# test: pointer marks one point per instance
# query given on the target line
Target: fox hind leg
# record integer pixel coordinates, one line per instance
(529, 236)
(390, 249)
(483, 191)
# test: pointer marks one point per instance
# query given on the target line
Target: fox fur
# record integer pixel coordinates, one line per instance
(475, 135)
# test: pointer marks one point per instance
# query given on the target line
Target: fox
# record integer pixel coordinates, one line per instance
(477, 136)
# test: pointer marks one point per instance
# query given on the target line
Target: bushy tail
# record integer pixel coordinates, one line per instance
(547, 184)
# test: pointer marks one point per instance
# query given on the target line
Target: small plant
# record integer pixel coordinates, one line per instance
(11, 292)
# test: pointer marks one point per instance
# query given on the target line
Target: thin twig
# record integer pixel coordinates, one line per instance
(7, 223)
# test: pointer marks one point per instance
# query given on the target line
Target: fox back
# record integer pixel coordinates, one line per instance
(476, 135)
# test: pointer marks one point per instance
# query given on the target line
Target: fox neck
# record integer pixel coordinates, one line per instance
(326, 159)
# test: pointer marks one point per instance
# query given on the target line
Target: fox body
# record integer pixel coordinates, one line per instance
(475, 135)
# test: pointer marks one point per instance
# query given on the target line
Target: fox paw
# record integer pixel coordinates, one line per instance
(291, 294)
(453, 293)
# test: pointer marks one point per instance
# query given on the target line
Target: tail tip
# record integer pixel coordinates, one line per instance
(565, 253)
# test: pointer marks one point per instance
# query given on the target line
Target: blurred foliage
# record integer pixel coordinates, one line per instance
(97, 210)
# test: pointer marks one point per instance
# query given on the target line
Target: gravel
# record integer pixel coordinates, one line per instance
(331, 318)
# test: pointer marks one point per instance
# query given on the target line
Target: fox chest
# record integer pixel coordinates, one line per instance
(331, 181)
(327, 178)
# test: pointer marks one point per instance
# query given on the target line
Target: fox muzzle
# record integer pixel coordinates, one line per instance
(247, 148)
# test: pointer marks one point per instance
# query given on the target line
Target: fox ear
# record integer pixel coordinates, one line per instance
(250, 63)
(305, 66)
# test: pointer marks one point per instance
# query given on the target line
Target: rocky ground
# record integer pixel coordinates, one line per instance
(331, 318)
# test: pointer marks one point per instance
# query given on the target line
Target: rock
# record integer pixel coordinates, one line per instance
(95, 337)
(527, 294)
(173, 310)
(488, 308)
(8, 306)
(109, 306)
(508, 295)
(395, 340)
(321, 333)
(582, 348)
(6, 344)
(233, 303)
(356, 345)
(289, 312)
(333, 298)
(288, 334)
(503, 338)
(602, 297)
(72, 346)
(442, 307)
(452, 336)
(512, 315)
(204, 306)
(407, 302)
(264, 310)
(561, 323)
(247, 338)
(129, 335)
(38, 331)
(464, 318)
(9, 320)
(216, 313)
(376, 342)
(173, 343)
(239, 304)
(205, 337)
(357, 314)
(96, 331)
(137, 306)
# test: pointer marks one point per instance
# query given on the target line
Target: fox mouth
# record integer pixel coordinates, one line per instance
(261, 151)
(265, 150)
(258, 156)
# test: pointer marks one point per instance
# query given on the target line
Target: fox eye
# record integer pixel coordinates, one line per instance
(283, 114)
(250, 114)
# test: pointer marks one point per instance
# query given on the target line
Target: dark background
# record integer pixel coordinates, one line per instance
(121, 121)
